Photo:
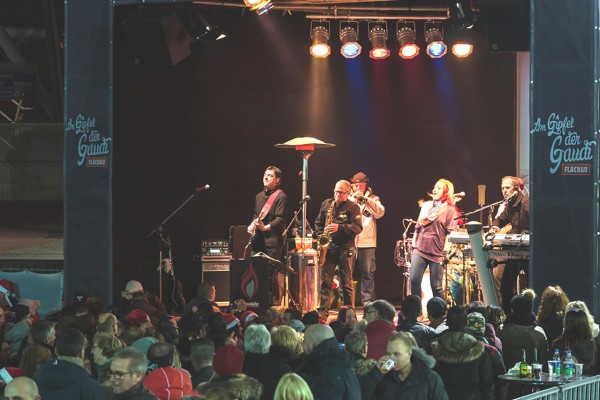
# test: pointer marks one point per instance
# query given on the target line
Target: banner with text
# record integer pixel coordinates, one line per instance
(88, 149)
(564, 147)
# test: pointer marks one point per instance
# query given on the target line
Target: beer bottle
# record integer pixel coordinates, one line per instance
(523, 367)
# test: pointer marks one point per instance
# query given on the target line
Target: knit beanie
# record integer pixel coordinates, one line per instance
(228, 360)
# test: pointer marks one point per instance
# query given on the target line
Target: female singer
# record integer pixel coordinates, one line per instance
(436, 220)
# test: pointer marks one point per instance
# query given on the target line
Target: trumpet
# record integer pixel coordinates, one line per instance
(359, 198)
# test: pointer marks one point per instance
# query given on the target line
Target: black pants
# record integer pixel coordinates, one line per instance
(344, 260)
(508, 280)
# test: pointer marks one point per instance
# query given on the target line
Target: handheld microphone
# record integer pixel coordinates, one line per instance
(304, 200)
(201, 188)
(412, 221)
(460, 194)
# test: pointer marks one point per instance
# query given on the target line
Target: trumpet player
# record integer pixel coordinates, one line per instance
(339, 221)
(366, 241)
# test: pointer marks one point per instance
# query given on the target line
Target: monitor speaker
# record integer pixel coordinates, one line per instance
(217, 272)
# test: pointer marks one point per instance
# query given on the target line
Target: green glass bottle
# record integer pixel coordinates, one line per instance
(523, 367)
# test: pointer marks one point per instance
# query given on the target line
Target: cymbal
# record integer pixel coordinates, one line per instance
(304, 143)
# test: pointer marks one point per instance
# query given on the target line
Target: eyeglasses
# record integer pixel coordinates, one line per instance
(118, 375)
(339, 192)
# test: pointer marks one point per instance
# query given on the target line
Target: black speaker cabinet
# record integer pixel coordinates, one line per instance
(216, 270)
(251, 280)
(505, 23)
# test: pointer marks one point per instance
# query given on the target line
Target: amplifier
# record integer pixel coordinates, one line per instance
(215, 248)
(216, 270)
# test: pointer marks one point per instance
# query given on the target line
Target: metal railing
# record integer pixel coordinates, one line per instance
(585, 389)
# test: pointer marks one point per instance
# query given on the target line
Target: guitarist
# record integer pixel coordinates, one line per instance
(268, 223)
(514, 218)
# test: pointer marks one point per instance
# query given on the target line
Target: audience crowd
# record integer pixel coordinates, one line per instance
(137, 350)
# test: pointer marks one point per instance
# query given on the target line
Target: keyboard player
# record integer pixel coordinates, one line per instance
(514, 218)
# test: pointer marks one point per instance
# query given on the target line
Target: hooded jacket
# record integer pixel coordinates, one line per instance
(367, 373)
(62, 379)
(517, 337)
(328, 373)
(421, 384)
(464, 365)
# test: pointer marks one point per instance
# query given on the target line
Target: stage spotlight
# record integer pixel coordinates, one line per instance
(462, 50)
(461, 15)
(436, 48)
(349, 38)
(196, 26)
(406, 40)
(462, 41)
(378, 38)
(260, 6)
(319, 33)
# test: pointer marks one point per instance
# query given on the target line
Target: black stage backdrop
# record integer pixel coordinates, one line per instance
(214, 119)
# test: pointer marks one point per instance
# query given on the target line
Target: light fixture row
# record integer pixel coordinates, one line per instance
(378, 35)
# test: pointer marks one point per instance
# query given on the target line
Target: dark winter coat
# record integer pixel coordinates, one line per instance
(422, 333)
(266, 371)
(367, 373)
(585, 353)
(421, 384)
(328, 372)
(137, 392)
(286, 356)
(517, 337)
(464, 365)
(61, 379)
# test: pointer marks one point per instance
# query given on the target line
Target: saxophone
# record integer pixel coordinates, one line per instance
(324, 239)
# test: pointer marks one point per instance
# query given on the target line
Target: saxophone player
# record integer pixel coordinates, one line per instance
(366, 242)
(340, 220)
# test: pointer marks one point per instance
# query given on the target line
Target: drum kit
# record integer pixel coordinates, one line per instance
(457, 289)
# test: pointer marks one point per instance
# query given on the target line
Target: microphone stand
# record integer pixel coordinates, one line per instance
(408, 255)
(287, 258)
(165, 243)
(480, 209)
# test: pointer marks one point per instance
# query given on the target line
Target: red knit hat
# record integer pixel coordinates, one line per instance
(136, 317)
(228, 360)
(230, 320)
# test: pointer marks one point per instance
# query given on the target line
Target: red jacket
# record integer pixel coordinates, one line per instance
(378, 332)
(169, 383)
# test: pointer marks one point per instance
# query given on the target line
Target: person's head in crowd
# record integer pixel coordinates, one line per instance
(133, 333)
(242, 386)
(108, 323)
(475, 324)
(289, 314)
(247, 317)
(310, 318)
(399, 348)
(131, 289)
(95, 306)
(347, 316)
(380, 309)
(34, 307)
(127, 368)
(137, 317)
(580, 305)
(436, 308)
(228, 360)
(456, 318)
(7, 293)
(553, 303)
(275, 315)
(213, 392)
(291, 386)
(161, 355)
(232, 324)
(356, 343)
(521, 311)
(257, 339)
(22, 313)
(286, 336)
(33, 357)
(43, 332)
(262, 320)
(168, 332)
(529, 294)
(202, 353)
(576, 327)
(477, 306)
(217, 329)
(207, 291)
(496, 315)
(22, 388)
(411, 308)
(315, 335)
(71, 343)
(297, 325)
